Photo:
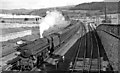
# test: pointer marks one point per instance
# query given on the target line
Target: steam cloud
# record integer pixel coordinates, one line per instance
(51, 19)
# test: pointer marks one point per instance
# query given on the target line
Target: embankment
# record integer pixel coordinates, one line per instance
(11, 36)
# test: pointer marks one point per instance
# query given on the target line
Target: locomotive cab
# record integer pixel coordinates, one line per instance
(51, 46)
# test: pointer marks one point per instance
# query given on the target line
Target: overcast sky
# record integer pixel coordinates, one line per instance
(111, 0)
(36, 4)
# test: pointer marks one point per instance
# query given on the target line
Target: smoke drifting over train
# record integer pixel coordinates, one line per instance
(51, 19)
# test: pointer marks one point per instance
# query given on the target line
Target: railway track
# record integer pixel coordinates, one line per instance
(90, 55)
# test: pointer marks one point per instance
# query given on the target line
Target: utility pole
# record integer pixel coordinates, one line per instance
(119, 7)
(119, 14)
(118, 34)
(105, 12)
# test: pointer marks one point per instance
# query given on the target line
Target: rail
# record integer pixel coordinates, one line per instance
(91, 52)
(85, 51)
(88, 57)
(99, 61)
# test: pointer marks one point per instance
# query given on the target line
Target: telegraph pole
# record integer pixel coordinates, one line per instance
(119, 14)
(105, 12)
(119, 7)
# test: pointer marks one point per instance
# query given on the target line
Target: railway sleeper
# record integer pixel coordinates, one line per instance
(85, 64)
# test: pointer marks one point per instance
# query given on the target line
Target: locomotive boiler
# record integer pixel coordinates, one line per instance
(33, 53)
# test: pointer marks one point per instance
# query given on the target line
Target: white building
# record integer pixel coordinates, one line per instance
(115, 18)
(9, 18)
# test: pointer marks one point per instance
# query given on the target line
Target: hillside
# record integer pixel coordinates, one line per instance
(15, 11)
(40, 12)
(111, 6)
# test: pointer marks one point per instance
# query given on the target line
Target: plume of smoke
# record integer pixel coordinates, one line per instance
(51, 19)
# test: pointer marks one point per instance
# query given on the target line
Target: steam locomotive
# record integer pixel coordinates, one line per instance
(32, 54)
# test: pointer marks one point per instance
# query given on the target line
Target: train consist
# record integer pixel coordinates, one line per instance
(32, 54)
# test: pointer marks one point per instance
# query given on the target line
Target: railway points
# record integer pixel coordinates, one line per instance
(89, 57)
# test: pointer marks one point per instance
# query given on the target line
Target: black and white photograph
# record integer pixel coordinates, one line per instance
(59, 36)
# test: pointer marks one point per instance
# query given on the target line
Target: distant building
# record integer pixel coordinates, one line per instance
(9, 18)
(113, 17)
(119, 19)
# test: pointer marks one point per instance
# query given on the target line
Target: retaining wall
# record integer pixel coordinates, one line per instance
(110, 38)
